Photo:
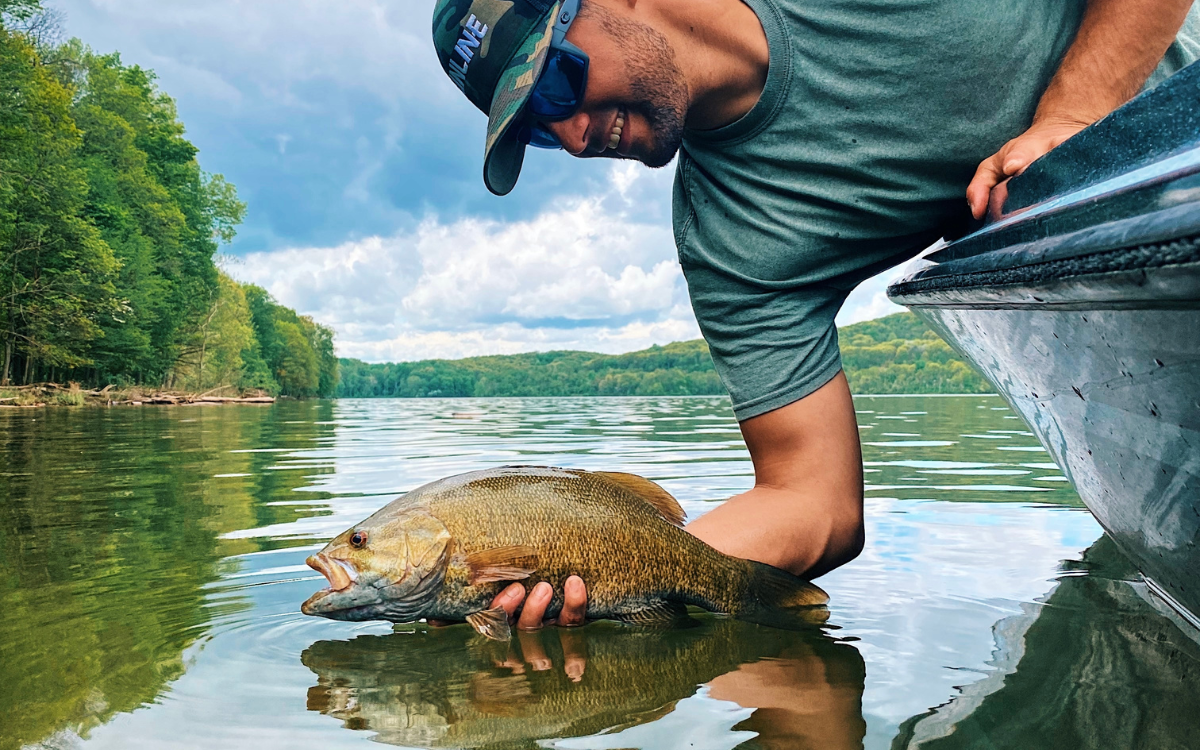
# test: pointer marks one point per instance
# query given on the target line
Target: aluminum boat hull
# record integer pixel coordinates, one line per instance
(1080, 303)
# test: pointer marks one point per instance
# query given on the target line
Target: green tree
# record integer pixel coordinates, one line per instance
(298, 353)
(321, 340)
(19, 10)
(108, 231)
(262, 317)
(140, 221)
(297, 369)
(55, 270)
(213, 355)
(161, 214)
(256, 373)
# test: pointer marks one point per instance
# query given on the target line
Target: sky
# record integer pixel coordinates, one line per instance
(360, 164)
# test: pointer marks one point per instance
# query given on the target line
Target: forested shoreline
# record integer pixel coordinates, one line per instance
(896, 354)
(109, 235)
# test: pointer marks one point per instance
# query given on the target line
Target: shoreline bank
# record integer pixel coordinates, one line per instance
(41, 395)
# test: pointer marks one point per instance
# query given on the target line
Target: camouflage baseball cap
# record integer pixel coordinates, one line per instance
(494, 50)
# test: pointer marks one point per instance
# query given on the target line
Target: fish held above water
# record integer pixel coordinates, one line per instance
(444, 550)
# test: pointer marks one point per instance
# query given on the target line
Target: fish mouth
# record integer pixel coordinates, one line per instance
(340, 573)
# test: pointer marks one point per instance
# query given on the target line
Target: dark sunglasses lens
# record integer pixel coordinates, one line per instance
(559, 90)
(537, 136)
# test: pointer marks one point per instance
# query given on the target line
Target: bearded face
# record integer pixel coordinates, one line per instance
(637, 98)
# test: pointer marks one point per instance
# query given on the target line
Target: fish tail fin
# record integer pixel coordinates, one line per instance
(779, 599)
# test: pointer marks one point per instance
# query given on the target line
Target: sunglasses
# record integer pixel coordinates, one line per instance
(559, 90)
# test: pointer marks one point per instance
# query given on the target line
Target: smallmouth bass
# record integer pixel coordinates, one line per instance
(444, 550)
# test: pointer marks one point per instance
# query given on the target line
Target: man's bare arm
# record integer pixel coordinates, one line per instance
(1118, 45)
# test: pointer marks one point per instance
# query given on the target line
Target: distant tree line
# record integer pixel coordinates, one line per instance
(683, 368)
(900, 354)
(896, 354)
(108, 234)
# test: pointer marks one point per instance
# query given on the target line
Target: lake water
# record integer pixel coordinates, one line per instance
(152, 568)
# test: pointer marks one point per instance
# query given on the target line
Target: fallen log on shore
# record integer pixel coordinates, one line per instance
(170, 399)
(53, 394)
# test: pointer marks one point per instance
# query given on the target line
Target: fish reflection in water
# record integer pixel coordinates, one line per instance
(449, 688)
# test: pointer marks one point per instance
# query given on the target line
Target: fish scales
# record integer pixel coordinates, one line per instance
(443, 551)
(572, 523)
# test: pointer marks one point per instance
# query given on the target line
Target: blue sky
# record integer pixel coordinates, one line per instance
(360, 163)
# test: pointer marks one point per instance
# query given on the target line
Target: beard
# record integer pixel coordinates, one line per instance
(664, 114)
(659, 90)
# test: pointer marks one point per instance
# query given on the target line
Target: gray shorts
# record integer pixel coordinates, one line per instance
(772, 345)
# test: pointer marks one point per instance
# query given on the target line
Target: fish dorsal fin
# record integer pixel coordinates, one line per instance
(667, 506)
(501, 564)
(491, 623)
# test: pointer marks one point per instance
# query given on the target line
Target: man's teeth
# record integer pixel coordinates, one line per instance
(614, 139)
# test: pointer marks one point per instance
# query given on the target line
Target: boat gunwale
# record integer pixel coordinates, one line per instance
(1165, 275)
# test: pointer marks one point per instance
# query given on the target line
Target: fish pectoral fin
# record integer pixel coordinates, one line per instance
(661, 614)
(491, 623)
(501, 564)
(662, 501)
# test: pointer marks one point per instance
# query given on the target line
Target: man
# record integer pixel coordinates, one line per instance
(818, 144)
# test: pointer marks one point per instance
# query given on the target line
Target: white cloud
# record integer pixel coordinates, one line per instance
(584, 275)
(869, 300)
(335, 121)
(512, 338)
(594, 273)
(577, 263)
(367, 44)
(325, 115)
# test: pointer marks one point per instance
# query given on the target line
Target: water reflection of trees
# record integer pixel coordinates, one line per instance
(109, 532)
(449, 688)
(972, 433)
(1096, 667)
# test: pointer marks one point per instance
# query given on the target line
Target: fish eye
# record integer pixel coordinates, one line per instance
(358, 539)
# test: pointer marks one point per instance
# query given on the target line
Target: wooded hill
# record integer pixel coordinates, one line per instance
(108, 233)
(896, 354)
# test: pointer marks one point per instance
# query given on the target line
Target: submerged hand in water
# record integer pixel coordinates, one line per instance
(445, 550)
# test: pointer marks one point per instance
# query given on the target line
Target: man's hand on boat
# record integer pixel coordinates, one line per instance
(1117, 47)
(1013, 158)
